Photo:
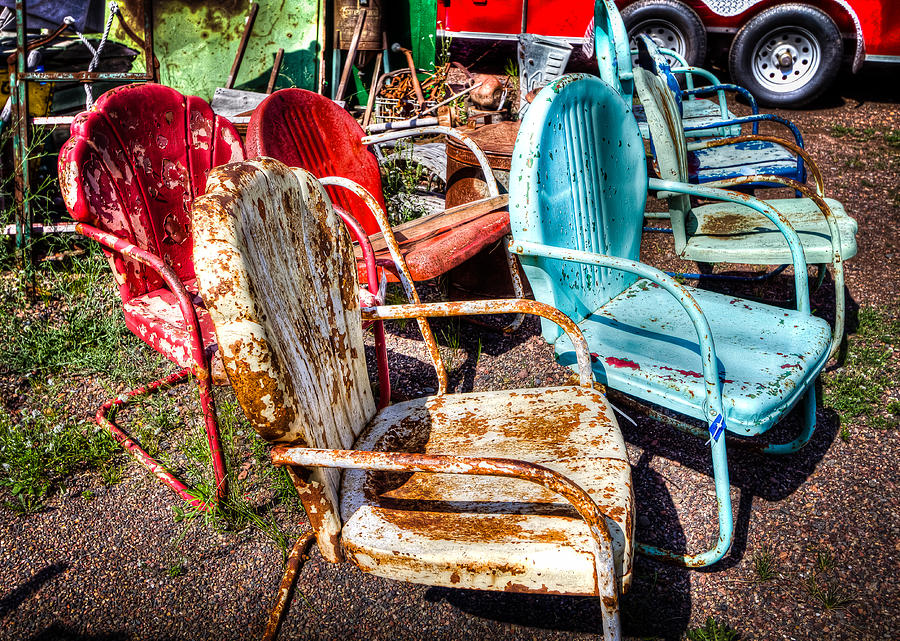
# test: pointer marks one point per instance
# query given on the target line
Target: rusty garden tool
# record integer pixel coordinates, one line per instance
(412, 72)
(242, 47)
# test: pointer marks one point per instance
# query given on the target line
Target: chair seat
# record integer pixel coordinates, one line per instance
(750, 158)
(442, 529)
(695, 113)
(729, 232)
(156, 319)
(647, 347)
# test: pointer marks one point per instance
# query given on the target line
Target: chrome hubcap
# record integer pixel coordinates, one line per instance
(664, 34)
(786, 59)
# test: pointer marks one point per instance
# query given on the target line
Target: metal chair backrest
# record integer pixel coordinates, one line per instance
(580, 183)
(666, 128)
(612, 48)
(304, 129)
(275, 263)
(133, 166)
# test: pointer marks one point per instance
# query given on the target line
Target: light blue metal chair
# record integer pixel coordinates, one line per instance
(577, 194)
(708, 160)
(615, 62)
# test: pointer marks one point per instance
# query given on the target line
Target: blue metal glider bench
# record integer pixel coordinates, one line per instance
(577, 197)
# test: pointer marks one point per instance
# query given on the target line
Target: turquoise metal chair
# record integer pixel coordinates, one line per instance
(615, 61)
(577, 196)
(729, 232)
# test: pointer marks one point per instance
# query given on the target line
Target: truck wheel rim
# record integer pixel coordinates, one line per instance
(786, 59)
(663, 33)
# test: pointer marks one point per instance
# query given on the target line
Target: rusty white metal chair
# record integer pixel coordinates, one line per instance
(526, 490)
(128, 175)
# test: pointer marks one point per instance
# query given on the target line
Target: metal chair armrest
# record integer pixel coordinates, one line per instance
(500, 306)
(157, 264)
(480, 466)
(796, 149)
(801, 279)
(714, 405)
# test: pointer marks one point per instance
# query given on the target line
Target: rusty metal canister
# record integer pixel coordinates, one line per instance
(486, 274)
(346, 13)
(465, 181)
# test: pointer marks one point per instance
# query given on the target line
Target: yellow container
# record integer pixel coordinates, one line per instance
(38, 95)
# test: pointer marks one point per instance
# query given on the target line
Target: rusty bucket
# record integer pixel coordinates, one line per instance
(346, 14)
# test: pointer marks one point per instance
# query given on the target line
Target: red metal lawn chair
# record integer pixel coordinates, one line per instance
(129, 175)
(304, 129)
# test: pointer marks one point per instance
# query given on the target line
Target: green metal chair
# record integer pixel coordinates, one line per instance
(577, 197)
(729, 232)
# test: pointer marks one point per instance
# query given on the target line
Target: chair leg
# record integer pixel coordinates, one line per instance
(103, 418)
(204, 383)
(286, 589)
(518, 288)
(806, 431)
(726, 522)
(381, 360)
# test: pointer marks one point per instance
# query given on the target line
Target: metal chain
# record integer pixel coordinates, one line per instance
(69, 20)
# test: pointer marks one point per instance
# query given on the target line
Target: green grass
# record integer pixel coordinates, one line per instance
(42, 449)
(858, 390)
(402, 179)
(76, 323)
(890, 137)
(764, 565)
(824, 587)
(712, 630)
(251, 496)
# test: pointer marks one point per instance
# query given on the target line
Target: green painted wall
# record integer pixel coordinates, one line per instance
(196, 42)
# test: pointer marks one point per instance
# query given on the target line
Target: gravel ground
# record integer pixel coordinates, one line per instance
(120, 567)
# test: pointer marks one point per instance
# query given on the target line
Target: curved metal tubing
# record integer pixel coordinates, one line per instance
(446, 131)
(605, 575)
(721, 89)
(200, 368)
(800, 151)
(490, 180)
(381, 363)
(402, 270)
(801, 278)
(714, 406)
(498, 306)
(836, 268)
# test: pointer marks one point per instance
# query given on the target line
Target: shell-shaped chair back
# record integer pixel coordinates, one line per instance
(303, 129)
(134, 164)
(276, 271)
(612, 48)
(580, 183)
(663, 119)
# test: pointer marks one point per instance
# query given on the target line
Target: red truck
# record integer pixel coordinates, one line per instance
(785, 53)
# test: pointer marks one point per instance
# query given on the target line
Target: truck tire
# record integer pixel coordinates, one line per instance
(671, 24)
(787, 56)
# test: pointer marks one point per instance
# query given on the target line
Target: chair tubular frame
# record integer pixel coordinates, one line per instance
(199, 370)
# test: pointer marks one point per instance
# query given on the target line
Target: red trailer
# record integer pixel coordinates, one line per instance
(785, 53)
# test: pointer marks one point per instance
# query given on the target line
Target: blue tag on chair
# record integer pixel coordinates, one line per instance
(717, 427)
